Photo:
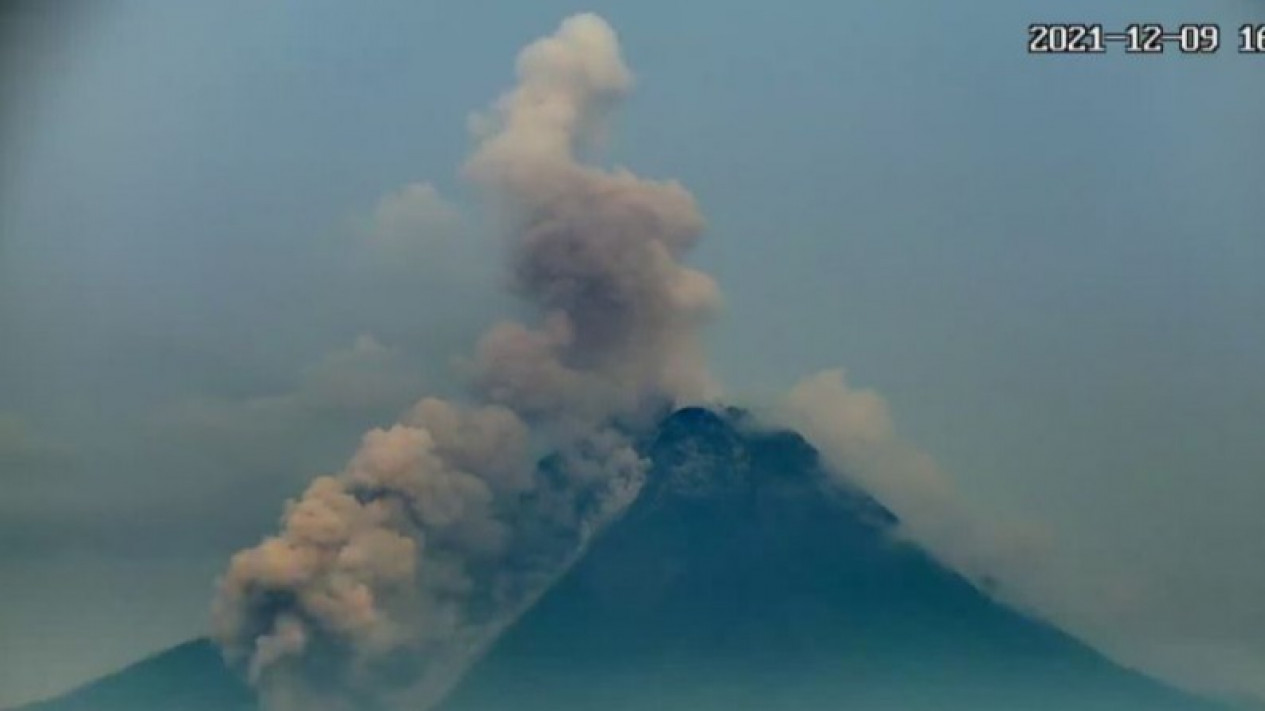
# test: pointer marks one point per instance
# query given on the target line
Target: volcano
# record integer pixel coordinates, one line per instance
(740, 578)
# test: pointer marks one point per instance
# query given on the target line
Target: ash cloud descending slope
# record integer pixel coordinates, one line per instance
(394, 572)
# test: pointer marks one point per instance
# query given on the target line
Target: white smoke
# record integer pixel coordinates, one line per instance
(853, 430)
(394, 572)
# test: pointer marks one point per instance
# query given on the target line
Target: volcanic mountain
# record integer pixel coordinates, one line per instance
(738, 579)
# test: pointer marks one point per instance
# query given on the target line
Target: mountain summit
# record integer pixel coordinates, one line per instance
(739, 579)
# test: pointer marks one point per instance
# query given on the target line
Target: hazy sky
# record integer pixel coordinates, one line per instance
(211, 277)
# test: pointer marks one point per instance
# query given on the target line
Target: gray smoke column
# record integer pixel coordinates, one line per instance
(391, 575)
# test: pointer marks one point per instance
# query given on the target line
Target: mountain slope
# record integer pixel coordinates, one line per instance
(737, 581)
(188, 677)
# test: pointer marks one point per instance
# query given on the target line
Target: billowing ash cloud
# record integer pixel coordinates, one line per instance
(597, 251)
(394, 572)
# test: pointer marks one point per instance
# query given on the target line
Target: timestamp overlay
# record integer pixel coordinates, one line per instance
(1145, 38)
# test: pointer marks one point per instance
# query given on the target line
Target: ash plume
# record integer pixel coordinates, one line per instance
(386, 578)
(596, 250)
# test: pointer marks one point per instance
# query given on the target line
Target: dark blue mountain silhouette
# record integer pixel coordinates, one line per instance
(740, 580)
(189, 677)
(737, 580)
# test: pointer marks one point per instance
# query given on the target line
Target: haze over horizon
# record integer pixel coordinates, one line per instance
(232, 240)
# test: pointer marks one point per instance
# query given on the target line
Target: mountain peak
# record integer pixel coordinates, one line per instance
(691, 452)
(743, 577)
(705, 455)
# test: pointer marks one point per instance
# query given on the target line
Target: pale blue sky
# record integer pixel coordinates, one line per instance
(1050, 266)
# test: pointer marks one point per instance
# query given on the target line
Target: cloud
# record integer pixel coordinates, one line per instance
(274, 441)
(853, 430)
(41, 476)
(1169, 626)
(22, 452)
(365, 378)
(35, 466)
(412, 223)
(1232, 668)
